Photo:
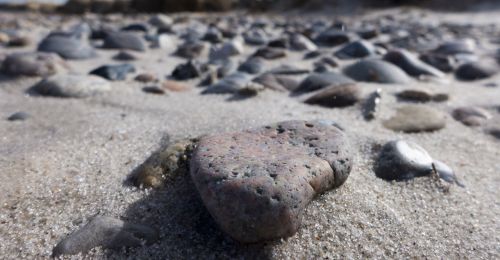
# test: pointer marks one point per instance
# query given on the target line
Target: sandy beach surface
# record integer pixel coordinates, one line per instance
(70, 161)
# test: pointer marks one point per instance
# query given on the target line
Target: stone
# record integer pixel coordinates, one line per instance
(416, 118)
(495, 132)
(416, 95)
(190, 50)
(33, 64)
(125, 56)
(312, 55)
(72, 86)
(188, 70)
(4, 38)
(255, 37)
(336, 96)
(299, 42)
(460, 46)
(230, 84)
(224, 67)
(19, 116)
(368, 33)
(250, 90)
(257, 183)
(213, 35)
(270, 53)
(67, 47)
(161, 21)
(114, 72)
(476, 70)
(443, 63)
(19, 41)
(106, 232)
(154, 90)
(163, 41)
(270, 81)
(356, 49)
(332, 37)
(471, 115)
(374, 70)
(175, 86)
(135, 27)
(371, 106)
(279, 43)
(403, 160)
(227, 50)
(411, 64)
(317, 81)
(445, 172)
(253, 65)
(146, 78)
(286, 69)
(124, 40)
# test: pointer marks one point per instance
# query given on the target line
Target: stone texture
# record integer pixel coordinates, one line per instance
(416, 118)
(33, 64)
(374, 70)
(75, 86)
(256, 183)
(336, 96)
(106, 232)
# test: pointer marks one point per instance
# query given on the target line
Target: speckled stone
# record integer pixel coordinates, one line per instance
(416, 118)
(256, 183)
(106, 232)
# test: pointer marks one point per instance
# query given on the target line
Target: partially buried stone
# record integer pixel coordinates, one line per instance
(332, 37)
(357, 49)
(411, 64)
(114, 72)
(416, 118)
(476, 70)
(299, 42)
(230, 84)
(33, 64)
(421, 95)
(68, 85)
(277, 83)
(270, 53)
(67, 47)
(228, 49)
(336, 96)
(471, 115)
(189, 70)
(18, 116)
(372, 105)
(374, 70)
(145, 77)
(317, 81)
(403, 160)
(106, 232)
(257, 183)
(125, 56)
(124, 40)
(446, 173)
(254, 65)
(190, 49)
(154, 90)
(175, 86)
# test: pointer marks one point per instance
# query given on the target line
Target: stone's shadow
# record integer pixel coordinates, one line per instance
(186, 229)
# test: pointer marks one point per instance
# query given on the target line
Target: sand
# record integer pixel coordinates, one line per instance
(71, 159)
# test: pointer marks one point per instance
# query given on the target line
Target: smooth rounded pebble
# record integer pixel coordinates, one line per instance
(114, 72)
(67, 47)
(374, 70)
(33, 64)
(471, 115)
(336, 96)
(416, 118)
(411, 64)
(257, 183)
(357, 49)
(403, 160)
(75, 86)
(106, 232)
(317, 81)
(124, 40)
(19, 116)
(476, 70)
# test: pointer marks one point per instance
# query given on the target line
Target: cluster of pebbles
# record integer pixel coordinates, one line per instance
(256, 183)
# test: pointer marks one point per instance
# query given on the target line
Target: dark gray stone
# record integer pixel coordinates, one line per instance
(33, 64)
(411, 64)
(124, 40)
(19, 116)
(254, 65)
(74, 86)
(189, 70)
(336, 96)
(476, 70)
(357, 49)
(374, 70)
(114, 72)
(67, 47)
(317, 81)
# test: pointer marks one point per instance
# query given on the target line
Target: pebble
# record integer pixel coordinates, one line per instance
(445, 172)
(270, 53)
(163, 41)
(253, 65)
(161, 21)
(286, 69)
(336, 96)
(299, 42)
(124, 40)
(471, 115)
(282, 43)
(189, 70)
(257, 183)
(421, 95)
(271, 81)
(74, 86)
(443, 63)
(125, 56)
(106, 232)
(19, 116)
(145, 78)
(154, 90)
(460, 46)
(67, 47)
(374, 70)
(213, 35)
(317, 81)
(230, 84)
(255, 37)
(175, 86)
(476, 70)
(227, 50)
(411, 64)
(114, 72)
(416, 118)
(403, 160)
(190, 50)
(332, 37)
(356, 49)
(33, 64)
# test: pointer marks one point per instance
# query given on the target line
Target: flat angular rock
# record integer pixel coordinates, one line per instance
(416, 118)
(114, 72)
(403, 160)
(357, 49)
(317, 81)
(106, 232)
(124, 40)
(411, 64)
(257, 183)
(374, 70)
(75, 86)
(33, 64)
(336, 96)
(476, 70)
